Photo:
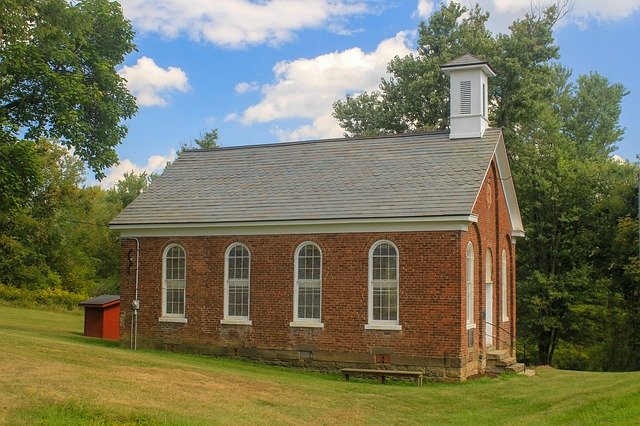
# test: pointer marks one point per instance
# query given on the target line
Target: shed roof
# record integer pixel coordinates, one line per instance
(101, 301)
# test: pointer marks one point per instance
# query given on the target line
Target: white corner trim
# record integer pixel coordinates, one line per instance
(394, 327)
(307, 324)
(234, 321)
(182, 320)
(471, 326)
(506, 177)
(509, 190)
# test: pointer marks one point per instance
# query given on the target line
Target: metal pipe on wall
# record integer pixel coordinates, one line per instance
(135, 304)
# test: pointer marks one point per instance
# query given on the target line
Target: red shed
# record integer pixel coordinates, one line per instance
(102, 317)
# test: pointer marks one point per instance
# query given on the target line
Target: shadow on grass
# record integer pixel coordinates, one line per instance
(78, 337)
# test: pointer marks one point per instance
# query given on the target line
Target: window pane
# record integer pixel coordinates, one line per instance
(385, 282)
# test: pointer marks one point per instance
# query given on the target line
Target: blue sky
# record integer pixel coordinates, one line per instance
(268, 71)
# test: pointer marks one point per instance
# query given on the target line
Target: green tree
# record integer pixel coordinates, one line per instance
(208, 140)
(58, 78)
(129, 187)
(416, 96)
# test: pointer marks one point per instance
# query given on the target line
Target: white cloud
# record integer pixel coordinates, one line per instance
(150, 83)
(618, 159)
(245, 87)
(155, 164)
(504, 12)
(232, 116)
(424, 10)
(238, 23)
(307, 88)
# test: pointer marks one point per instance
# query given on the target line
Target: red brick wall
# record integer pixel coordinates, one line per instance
(492, 232)
(429, 295)
(431, 286)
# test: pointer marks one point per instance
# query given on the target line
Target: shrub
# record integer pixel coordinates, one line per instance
(47, 296)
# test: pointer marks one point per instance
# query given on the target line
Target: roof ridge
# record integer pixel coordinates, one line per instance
(325, 140)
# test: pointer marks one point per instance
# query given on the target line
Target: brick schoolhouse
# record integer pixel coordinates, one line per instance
(387, 252)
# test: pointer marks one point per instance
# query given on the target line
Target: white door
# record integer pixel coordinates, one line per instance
(488, 316)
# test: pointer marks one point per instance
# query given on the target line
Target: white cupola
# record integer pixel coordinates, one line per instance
(468, 96)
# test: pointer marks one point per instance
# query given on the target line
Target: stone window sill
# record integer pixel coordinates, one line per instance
(471, 326)
(306, 324)
(230, 321)
(392, 327)
(182, 320)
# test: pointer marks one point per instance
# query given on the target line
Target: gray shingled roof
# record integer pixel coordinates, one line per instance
(411, 175)
(467, 59)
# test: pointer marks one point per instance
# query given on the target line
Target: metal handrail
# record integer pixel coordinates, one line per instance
(513, 339)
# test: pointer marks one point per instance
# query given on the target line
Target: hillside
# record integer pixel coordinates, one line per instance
(50, 373)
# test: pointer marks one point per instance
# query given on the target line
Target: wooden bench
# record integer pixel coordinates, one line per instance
(382, 374)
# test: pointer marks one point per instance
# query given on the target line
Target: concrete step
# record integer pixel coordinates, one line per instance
(504, 362)
(497, 354)
(517, 367)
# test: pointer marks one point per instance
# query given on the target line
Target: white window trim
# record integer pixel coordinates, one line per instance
(505, 288)
(305, 322)
(470, 285)
(235, 319)
(383, 324)
(182, 318)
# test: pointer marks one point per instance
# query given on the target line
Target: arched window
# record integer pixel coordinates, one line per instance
(489, 306)
(470, 264)
(505, 315)
(236, 283)
(308, 285)
(488, 268)
(383, 286)
(174, 282)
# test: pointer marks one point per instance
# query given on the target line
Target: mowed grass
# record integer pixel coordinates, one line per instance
(51, 374)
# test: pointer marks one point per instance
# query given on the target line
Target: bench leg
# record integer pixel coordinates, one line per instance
(345, 376)
(382, 378)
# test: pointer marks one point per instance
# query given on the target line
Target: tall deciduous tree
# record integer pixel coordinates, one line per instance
(58, 78)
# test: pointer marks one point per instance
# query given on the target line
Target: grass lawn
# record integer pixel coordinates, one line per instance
(50, 373)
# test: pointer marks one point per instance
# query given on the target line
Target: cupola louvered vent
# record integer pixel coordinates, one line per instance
(465, 97)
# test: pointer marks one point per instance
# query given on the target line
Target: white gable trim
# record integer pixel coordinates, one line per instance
(504, 171)
(442, 223)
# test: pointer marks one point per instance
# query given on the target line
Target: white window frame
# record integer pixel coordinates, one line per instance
(470, 286)
(305, 322)
(170, 317)
(383, 324)
(505, 288)
(236, 319)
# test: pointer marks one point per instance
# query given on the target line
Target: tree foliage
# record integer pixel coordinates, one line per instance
(58, 78)
(208, 140)
(576, 284)
(60, 239)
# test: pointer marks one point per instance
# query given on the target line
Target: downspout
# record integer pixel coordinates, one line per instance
(135, 304)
